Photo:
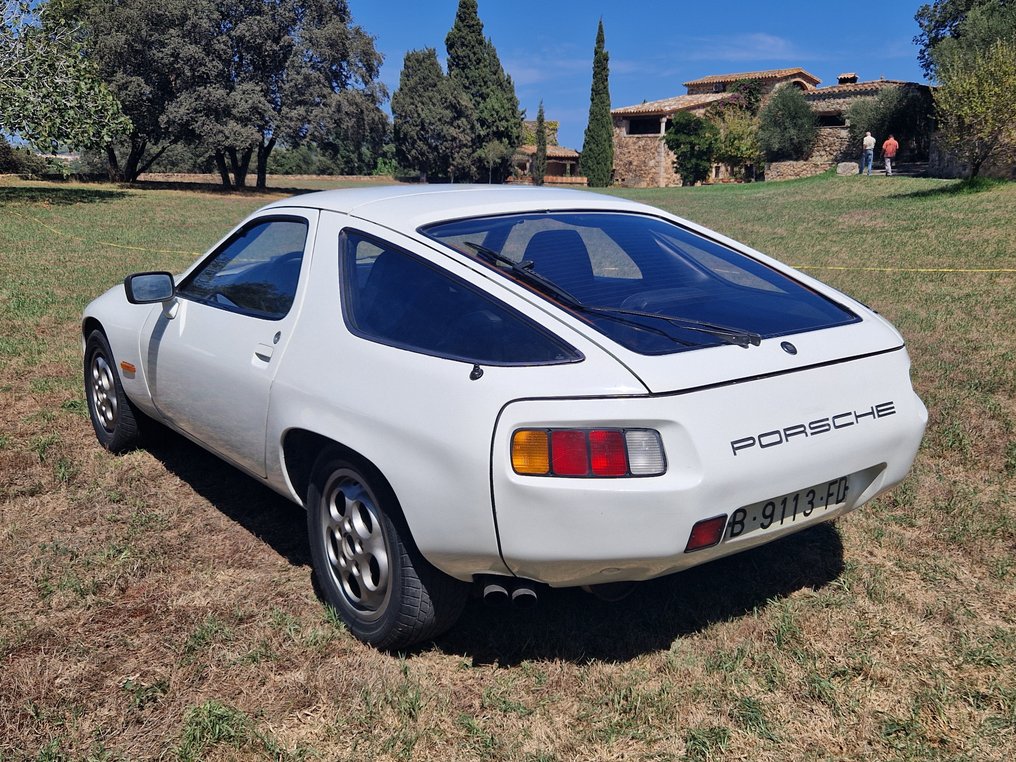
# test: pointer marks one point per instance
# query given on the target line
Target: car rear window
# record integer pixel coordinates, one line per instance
(646, 283)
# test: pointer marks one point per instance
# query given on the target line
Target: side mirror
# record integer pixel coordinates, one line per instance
(149, 288)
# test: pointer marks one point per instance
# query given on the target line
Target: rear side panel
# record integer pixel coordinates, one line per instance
(733, 446)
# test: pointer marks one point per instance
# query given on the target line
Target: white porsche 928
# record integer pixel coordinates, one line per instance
(507, 387)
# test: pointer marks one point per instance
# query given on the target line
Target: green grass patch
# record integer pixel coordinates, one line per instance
(140, 588)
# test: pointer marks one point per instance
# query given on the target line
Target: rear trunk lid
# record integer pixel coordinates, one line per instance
(711, 366)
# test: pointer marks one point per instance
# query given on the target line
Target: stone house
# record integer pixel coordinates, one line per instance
(831, 104)
(642, 159)
(562, 163)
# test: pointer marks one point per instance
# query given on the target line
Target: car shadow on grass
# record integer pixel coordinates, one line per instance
(574, 626)
(566, 624)
(271, 518)
(58, 196)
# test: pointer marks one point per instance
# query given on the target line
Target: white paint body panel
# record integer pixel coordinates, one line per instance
(591, 531)
(442, 440)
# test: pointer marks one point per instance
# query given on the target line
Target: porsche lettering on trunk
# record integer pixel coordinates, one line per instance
(831, 423)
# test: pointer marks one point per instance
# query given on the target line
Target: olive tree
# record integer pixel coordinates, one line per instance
(975, 105)
(787, 125)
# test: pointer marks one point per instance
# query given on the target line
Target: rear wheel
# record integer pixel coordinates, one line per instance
(113, 416)
(366, 564)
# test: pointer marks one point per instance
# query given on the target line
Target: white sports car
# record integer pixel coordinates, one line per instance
(507, 387)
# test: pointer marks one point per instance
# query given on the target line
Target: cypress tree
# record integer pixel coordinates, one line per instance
(417, 112)
(433, 122)
(539, 166)
(597, 162)
(473, 63)
(467, 51)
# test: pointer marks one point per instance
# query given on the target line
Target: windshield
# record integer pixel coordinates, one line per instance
(644, 282)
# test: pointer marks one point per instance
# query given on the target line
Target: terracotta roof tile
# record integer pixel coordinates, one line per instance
(553, 152)
(853, 87)
(670, 105)
(768, 74)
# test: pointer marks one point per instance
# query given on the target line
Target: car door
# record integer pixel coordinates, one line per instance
(213, 351)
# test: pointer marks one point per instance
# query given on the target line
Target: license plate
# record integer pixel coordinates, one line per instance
(798, 507)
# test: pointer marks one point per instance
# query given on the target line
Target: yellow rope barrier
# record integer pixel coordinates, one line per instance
(799, 267)
(908, 269)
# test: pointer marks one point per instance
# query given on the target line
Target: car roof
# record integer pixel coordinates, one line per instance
(407, 207)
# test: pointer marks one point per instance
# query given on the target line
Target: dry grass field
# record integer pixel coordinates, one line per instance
(159, 604)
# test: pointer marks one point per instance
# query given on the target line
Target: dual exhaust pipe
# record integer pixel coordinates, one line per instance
(501, 591)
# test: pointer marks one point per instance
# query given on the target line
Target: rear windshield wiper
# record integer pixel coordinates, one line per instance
(738, 336)
(524, 271)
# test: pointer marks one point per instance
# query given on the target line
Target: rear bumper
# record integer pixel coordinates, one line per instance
(727, 447)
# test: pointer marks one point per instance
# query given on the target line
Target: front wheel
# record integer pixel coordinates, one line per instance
(113, 416)
(366, 564)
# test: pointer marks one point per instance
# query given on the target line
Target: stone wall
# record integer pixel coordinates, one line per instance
(943, 163)
(830, 147)
(642, 161)
(637, 159)
(793, 170)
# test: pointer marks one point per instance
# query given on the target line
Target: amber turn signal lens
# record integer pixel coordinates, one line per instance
(531, 452)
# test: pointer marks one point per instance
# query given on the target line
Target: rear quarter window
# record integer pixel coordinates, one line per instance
(393, 297)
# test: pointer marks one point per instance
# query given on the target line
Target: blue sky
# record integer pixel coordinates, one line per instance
(547, 47)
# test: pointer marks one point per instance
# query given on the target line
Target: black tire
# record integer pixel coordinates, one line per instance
(366, 564)
(114, 418)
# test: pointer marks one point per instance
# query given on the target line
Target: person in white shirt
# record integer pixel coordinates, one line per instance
(869, 153)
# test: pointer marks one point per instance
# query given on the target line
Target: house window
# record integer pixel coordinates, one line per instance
(644, 126)
(719, 87)
(832, 120)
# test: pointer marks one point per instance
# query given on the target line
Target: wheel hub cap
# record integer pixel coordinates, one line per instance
(354, 542)
(104, 402)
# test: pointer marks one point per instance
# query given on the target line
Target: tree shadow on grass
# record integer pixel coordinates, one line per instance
(215, 188)
(575, 626)
(567, 624)
(961, 188)
(58, 196)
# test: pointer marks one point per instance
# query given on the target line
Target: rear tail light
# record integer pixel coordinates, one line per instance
(588, 452)
(645, 452)
(569, 455)
(608, 453)
(531, 452)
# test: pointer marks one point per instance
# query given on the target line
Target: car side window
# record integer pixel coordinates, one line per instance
(255, 272)
(395, 298)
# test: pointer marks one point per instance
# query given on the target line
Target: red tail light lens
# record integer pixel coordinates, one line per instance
(608, 453)
(568, 452)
